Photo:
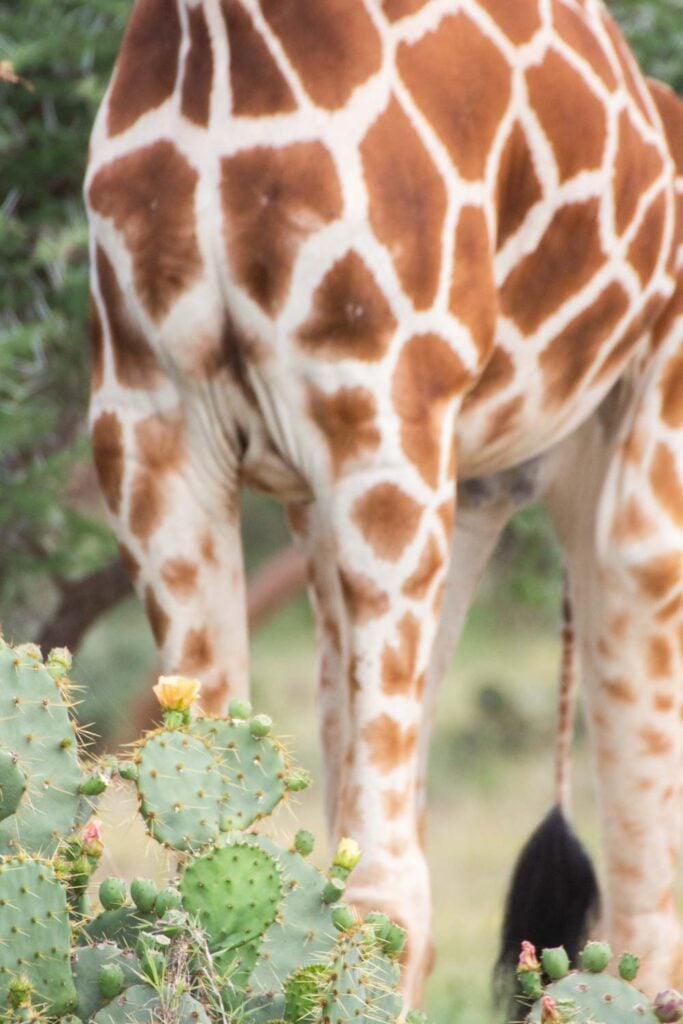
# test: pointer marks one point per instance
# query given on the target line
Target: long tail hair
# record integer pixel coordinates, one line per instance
(553, 896)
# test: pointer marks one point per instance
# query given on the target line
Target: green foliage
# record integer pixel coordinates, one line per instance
(654, 28)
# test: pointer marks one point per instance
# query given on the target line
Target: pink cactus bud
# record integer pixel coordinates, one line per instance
(549, 1011)
(668, 1006)
(92, 833)
(528, 961)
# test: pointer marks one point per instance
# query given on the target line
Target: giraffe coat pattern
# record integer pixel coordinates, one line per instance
(355, 253)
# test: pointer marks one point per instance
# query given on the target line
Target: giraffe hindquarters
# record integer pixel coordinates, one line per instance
(618, 505)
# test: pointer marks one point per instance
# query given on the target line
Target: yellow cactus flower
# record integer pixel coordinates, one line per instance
(176, 693)
(348, 854)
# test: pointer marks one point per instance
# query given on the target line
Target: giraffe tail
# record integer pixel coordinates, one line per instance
(553, 896)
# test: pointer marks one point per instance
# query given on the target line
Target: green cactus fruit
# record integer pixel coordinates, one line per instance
(167, 899)
(235, 892)
(304, 992)
(416, 1017)
(86, 964)
(260, 725)
(595, 996)
(12, 783)
(343, 917)
(629, 965)
(111, 980)
(239, 709)
(304, 842)
(143, 893)
(555, 962)
(334, 890)
(36, 727)
(531, 984)
(668, 1006)
(58, 663)
(113, 893)
(94, 784)
(19, 991)
(35, 935)
(128, 770)
(297, 780)
(595, 957)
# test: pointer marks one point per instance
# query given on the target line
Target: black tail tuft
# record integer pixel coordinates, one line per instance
(552, 900)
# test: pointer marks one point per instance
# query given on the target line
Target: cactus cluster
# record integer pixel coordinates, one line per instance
(247, 932)
(590, 995)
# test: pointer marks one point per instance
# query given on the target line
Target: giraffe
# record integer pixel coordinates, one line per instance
(368, 256)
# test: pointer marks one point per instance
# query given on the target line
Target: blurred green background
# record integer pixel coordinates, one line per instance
(491, 768)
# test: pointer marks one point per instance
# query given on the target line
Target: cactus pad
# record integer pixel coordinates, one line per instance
(597, 997)
(86, 963)
(35, 936)
(36, 730)
(364, 981)
(141, 1004)
(235, 892)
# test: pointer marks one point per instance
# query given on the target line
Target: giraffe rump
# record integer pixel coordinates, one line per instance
(552, 900)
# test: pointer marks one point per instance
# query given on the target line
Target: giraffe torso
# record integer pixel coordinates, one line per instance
(329, 216)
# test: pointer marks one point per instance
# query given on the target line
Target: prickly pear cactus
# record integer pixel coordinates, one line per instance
(43, 785)
(35, 935)
(87, 964)
(590, 995)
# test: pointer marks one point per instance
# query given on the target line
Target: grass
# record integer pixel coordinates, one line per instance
(490, 773)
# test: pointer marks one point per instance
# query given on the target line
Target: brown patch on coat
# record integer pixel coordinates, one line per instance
(197, 651)
(658, 575)
(396, 802)
(108, 454)
(96, 336)
(389, 745)
(498, 373)
(518, 20)
(671, 608)
(659, 656)
(397, 9)
(399, 662)
(451, 72)
(149, 196)
(637, 165)
(566, 258)
(666, 483)
(159, 452)
(273, 199)
(258, 86)
(158, 618)
(428, 376)
(334, 47)
(180, 576)
(672, 392)
(473, 297)
(407, 201)
(662, 702)
(130, 562)
(631, 522)
(195, 97)
(362, 597)
(387, 518)
(571, 115)
(347, 418)
(517, 184)
(147, 65)
(431, 563)
(207, 548)
(646, 247)
(571, 25)
(571, 355)
(655, 742)
(446, 513)
(502, 420)
(135, 363)
(350, 317)
(619, 689)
